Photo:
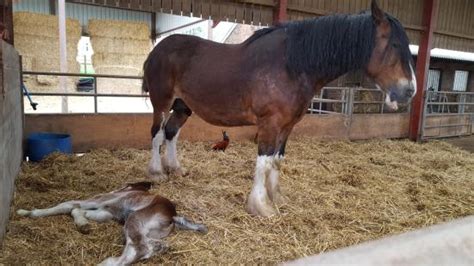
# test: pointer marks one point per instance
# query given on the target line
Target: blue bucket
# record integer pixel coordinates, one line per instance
(41, 145)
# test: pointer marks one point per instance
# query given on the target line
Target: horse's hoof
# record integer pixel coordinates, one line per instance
(279, 199)
(260, 209)
(179, 171)
(158, 177)
(84, 229)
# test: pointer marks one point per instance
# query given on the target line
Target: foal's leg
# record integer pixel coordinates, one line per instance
(62, 208)
(179, 115)
(80, 218)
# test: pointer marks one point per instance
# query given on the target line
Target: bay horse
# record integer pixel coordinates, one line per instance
(269, 81)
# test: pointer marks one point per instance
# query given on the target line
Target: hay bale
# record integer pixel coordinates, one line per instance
(120, 48)
(118, 29)
(339, 194)
(36, 39)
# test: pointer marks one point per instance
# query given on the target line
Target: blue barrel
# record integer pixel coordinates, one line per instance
(41, 145)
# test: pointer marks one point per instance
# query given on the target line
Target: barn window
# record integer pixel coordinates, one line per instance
(433, 79)
(460, 80)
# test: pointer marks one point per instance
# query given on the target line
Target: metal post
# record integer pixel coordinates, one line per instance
(430, 13)
(95, 95)
(321, 94)
(62, 52)
(425, 112)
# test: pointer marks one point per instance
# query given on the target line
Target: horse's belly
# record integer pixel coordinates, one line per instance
(220, 112)
(227, 121)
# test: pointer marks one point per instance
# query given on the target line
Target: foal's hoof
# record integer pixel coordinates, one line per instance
(22, 212)
(84, 229)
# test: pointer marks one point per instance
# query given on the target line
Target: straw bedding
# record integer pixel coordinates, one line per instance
(339, 194)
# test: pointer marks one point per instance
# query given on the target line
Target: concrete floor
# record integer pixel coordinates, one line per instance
(466, 143)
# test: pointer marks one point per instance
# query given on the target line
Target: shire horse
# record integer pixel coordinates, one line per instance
(269, 81)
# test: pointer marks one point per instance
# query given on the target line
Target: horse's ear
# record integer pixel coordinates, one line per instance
(377, 13)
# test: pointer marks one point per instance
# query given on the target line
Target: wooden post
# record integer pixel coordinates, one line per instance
(430, 15)
(279, 11)
(6, 20)
(153, 27)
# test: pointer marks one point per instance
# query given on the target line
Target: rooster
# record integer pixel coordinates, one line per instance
(222, 145)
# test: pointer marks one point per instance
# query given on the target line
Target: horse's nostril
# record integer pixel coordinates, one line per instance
(409, 92)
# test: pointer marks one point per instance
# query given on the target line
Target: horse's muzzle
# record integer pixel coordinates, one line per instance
(399, 95)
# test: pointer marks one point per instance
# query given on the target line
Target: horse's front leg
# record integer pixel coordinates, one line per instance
(265, 185)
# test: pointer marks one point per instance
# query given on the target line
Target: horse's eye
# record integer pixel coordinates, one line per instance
(395, 45)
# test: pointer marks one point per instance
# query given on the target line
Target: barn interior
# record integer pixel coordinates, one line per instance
(354, 171)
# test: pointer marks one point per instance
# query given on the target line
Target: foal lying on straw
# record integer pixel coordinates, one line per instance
(146, 219)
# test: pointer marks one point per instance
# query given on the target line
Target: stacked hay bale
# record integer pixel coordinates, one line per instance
(37, 40)
(120, 48)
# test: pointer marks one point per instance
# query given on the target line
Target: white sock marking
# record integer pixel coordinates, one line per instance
(155, 162)
(171, 152)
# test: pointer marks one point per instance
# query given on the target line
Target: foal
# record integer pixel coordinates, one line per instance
(146, 219)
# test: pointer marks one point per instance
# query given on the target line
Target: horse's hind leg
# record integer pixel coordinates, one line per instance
(179, 115)
(161, 104)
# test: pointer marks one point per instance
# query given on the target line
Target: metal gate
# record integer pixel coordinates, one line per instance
(447, 114)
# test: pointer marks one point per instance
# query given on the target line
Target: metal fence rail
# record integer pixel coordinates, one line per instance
(94, 92)
(447, 114)
(347, 101)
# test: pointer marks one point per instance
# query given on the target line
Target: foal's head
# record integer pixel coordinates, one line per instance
(391, 63)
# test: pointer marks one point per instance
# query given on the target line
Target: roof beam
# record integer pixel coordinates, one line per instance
(430, 15)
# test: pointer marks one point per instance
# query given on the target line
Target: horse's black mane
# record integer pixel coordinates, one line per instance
(333, 45)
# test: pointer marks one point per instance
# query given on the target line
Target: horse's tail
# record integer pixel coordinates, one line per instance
(144, 80)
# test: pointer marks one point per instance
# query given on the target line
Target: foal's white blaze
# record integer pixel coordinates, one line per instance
(155, 162)
(171, 152)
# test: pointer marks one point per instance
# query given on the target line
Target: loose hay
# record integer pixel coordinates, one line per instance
(340, 193)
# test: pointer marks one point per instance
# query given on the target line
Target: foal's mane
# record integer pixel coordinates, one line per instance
(330, 46)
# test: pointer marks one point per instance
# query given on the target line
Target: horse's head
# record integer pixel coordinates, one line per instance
(391, 63)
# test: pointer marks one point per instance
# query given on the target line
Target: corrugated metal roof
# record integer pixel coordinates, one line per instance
(85, 12)
(36, 6)
(446, 54)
